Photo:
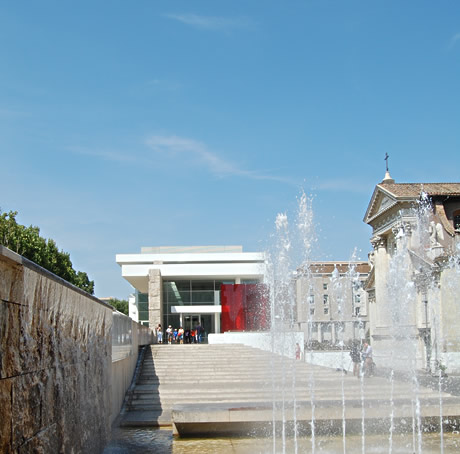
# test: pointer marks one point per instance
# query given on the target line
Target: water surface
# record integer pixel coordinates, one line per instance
(160, 441)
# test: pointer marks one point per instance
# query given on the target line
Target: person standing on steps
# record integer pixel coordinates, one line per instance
(180, 335)
(368, 360)
(202, 331)
(159, 334)
(355, 358)
(187, 336)
(198, 333)
(169, 333)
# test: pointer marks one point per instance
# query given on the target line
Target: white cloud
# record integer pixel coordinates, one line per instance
(212, 22)
(173, 145)
(193, 152)
(108, 155)
(198, 151)
(454, 40)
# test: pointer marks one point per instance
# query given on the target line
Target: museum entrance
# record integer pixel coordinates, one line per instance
(191, 321)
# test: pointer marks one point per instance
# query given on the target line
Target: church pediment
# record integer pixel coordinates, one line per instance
(380, 202)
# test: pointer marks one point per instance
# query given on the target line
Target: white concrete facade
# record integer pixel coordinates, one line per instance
(230, 265)
(147, 271)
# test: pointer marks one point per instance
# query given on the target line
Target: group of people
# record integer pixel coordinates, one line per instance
(363, 362)
(179, 335)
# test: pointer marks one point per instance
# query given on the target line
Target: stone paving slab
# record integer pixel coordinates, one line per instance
(245, 418)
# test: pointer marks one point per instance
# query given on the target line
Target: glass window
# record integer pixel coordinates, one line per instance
(143, 316)
(311, 299)
(202, 285)
(457, 222)
(181, 285)
(176, 292)
(203, 297)
(178, 297)
(143, 306)
(219, 283)
(326, 310)
(324, 286)
(143, 311)
(325, 299)
(142, 297)
(173, 320)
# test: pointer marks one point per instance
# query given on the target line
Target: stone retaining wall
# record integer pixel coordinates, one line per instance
(127, 336)
(55, 362)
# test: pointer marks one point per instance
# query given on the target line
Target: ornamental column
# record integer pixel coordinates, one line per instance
(379, 316)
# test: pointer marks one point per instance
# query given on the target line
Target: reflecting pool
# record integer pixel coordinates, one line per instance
(160, 441)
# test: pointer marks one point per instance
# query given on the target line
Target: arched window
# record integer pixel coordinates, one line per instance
(457, 220)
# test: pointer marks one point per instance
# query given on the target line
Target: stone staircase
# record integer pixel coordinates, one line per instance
(174, 374)
(218, 382)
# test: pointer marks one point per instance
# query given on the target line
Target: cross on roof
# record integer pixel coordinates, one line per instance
(386, 159)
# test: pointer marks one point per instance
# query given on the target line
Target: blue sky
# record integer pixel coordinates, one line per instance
(148, 123)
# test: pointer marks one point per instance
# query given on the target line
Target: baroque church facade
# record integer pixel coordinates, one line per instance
(414, 283)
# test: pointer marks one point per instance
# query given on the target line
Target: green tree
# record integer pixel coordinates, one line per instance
(120, 305)
(27, 242)
(82, 281)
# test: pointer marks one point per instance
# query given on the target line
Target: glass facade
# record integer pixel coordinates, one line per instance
(190, 293)
(143, 308)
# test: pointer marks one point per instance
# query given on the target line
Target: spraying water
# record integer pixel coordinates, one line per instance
(412, 241)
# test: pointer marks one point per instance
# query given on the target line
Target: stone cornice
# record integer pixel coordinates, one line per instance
(403, 216)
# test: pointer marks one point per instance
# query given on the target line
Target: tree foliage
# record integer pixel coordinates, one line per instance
(120, 305)
(27, 242)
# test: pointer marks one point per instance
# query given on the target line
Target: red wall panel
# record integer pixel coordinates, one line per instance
(245, 307)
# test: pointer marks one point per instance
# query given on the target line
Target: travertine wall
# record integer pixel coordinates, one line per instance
(127, 336)
(155, 299)
(55, 363)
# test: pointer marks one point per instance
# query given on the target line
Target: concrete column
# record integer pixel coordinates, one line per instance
(217, 322)
(155, 299)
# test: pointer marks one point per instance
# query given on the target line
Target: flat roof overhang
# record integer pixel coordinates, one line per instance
(138, 274)
(224, 257)
(197, 309)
